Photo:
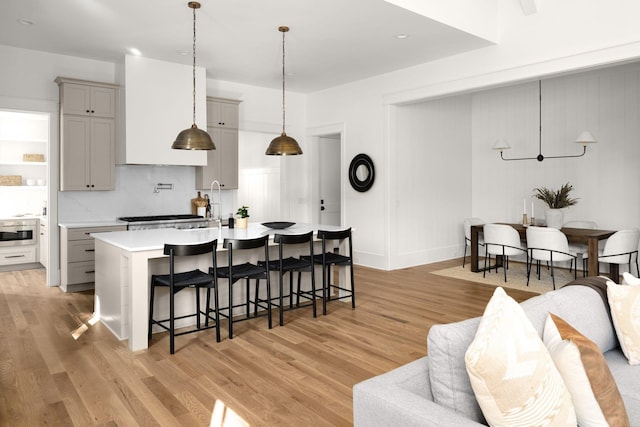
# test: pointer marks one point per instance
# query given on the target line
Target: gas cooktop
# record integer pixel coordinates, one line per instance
(159, 218)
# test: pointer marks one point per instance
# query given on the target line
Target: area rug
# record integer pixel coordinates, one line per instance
(516, 277)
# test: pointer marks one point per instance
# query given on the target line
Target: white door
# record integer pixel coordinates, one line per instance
(330, 180)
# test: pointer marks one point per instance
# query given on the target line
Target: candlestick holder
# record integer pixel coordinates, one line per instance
(524, 219)
(533, 221)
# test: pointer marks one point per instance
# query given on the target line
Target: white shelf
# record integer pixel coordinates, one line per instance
(22, 187)
(21, 141)
(23, 163)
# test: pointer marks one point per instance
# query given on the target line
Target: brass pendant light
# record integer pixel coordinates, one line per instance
(193, 138)
(283, 145)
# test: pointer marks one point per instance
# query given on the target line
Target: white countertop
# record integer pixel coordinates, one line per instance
(96, 223)
(147, 240)
(25, 216)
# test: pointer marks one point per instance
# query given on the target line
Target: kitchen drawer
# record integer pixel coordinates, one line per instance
(84, 232)
(81, 250)
(81, 272)
(18, 255)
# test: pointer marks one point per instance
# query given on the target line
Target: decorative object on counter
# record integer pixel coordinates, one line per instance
(30, 182)
(28, 157)
(243, 213)
(585, 138)
(283, 145)
(197, 202)
(232, 221)
(556, 200)
(278, 225)
(193, 138)
(361, 173)
(11, 180)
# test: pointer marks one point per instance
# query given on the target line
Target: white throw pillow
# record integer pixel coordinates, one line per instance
(624, 302)
(585, 372)
(511, 372)
(630, 279)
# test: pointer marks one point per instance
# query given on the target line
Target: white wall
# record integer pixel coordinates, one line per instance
(605, 102)
(562, 37)
(430, 169)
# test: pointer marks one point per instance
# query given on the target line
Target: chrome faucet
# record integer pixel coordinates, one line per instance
(215, 181)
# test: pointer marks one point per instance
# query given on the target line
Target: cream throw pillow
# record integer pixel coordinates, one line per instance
(511, 371)
(585, 372)
(624, 302)
(630, 279)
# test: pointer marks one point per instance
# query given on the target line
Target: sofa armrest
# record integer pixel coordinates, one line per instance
(402, 397)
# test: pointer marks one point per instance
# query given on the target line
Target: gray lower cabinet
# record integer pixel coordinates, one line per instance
(77, 256)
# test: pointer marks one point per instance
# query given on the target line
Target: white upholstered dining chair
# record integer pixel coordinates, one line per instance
(550, 245)
(502, 240)
(467, 223)
(579, 249)
(620, 248)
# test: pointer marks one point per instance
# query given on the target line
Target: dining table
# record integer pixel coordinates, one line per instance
(584, 236)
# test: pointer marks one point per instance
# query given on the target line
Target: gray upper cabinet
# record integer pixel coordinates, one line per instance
(222, 163)
(88, 114)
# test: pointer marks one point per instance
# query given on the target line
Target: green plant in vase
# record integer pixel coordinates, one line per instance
(243, 214)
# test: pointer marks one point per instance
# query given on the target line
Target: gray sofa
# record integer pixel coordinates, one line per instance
(436, 391)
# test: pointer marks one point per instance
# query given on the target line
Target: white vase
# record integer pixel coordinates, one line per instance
(554, 218)
(241, 222)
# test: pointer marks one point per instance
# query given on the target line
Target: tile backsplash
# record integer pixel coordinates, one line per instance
(134, 195)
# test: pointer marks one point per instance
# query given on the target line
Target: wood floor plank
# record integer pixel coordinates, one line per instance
(301, 374)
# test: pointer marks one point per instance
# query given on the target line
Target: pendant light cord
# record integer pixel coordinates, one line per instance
(194, 65)
(540, 117)
(283, 75)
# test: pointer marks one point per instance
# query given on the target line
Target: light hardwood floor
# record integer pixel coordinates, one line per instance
(298, 375)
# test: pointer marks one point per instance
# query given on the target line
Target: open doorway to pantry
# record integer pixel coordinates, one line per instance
(29, 150)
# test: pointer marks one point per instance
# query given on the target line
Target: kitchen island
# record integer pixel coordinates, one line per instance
(126, 260)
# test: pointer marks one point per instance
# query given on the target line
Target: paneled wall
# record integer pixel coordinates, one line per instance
(445, 169)
(431, 174)
(604, 102)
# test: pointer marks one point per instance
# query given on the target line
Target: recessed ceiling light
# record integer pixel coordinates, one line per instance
(402, 36)
(135, 51)
(24, 21)
(184, 52)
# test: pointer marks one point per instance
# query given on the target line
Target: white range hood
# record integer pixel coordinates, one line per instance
(158, 104)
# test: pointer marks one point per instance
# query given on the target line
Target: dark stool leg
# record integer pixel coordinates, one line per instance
(153, 288)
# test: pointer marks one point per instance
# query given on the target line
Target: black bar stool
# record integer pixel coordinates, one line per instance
(245, 271)
(194, 279)
(330, 258)
(290, 265)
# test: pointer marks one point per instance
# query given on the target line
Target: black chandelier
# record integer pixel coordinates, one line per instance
(585, 138)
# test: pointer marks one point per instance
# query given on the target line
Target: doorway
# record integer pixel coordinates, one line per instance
(330, 160)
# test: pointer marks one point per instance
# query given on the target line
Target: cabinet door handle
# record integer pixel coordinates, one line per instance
(86, 233)
(15, 256)
(90, 271)
(92, 111)
(87, 111)
(89, 250)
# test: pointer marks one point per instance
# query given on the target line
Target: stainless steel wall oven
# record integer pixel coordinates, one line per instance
(14, 232)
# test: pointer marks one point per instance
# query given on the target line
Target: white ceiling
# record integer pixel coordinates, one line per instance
(331, 42)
